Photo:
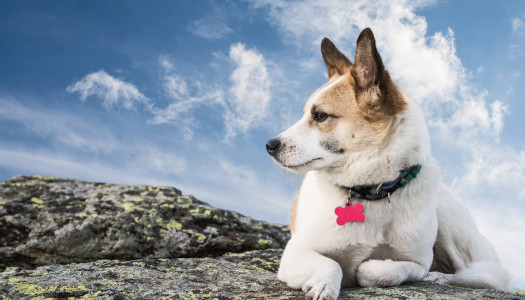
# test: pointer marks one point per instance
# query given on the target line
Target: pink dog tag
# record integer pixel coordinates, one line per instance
(349, 214)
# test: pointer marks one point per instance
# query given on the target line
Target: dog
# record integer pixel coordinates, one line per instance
(372, 210)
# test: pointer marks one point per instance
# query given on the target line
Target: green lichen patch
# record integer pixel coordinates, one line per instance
(231, 276)
(75, 221)
(37, 200)
(264, 242)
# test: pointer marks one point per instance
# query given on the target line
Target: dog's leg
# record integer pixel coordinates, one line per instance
(481, 275)
(317, 275)
(463, 251)
(382, 273)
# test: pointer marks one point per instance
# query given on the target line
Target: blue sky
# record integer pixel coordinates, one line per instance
(186, 94)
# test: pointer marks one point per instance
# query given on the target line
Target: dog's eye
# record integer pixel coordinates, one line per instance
(320, 117)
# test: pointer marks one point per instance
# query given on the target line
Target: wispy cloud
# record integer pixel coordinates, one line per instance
(244, 104)
(71, 134)
(183, 97)
(211, 28)
(174, 85)
(250, 92)
(51, 163)
(111, 90)
(59, 127)
(517, 25)
(153, 161)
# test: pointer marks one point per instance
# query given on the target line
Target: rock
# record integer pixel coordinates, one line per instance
(163, 245)
(45, 220)
(249, 275)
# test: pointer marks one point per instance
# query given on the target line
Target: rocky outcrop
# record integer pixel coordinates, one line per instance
(249, 275)
(63, 238)
(46, 220)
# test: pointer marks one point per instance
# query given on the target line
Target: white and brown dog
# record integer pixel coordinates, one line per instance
(372, 210)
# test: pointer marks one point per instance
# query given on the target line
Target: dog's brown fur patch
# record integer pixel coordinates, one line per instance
(367, 99)
(293, 215)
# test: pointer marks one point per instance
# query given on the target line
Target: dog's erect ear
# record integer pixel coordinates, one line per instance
(376, 92)
(368, 64)
(335, 61)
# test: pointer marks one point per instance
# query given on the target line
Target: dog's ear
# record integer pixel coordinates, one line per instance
(335, 61)
(376, 92)
(368, 64)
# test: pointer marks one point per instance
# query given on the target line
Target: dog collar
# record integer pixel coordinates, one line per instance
(385, 189)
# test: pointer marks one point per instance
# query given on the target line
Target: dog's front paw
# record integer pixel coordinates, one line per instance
(319, 288)
(437, 277)
(378, 273)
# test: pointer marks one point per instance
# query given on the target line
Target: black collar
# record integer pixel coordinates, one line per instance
(385, 189)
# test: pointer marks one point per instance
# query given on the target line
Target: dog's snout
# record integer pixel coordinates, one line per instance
(272, 146)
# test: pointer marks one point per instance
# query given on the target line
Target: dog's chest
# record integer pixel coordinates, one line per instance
(317, 218)
(351, 243)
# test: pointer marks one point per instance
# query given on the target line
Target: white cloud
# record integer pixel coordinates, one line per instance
(59, 126)
(211, 28)
(137, 164)
(155, 162)
(472, 118)
(493, 172)
(166, 63)
(62, 129)
(111, 90)
(425, 66)
(241, 188)
(517, 24)
(240, 176)
(250, 92)
(480, 70)
(182, 102)
(174, 85)
(183, 97)
(244, 105)
(33, 161)
(179, 113)
(514, 52)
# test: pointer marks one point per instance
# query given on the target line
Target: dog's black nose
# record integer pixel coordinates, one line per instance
(272, 146)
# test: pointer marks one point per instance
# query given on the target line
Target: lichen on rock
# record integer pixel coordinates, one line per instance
(249, 275)
(47, 220)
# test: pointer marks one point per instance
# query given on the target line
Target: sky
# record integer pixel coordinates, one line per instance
(186, 94)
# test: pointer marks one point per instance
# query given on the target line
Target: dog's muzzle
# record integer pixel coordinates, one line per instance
(272, 146)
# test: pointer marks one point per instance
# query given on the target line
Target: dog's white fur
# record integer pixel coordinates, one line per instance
(422, 227)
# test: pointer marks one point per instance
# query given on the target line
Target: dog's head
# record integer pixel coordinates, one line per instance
(349, 114)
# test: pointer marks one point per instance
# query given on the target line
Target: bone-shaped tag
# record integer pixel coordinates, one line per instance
(349, 214)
